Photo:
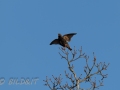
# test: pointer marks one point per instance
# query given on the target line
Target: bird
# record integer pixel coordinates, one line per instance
(63, 40)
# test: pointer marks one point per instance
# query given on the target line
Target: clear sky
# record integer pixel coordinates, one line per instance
(28, 26)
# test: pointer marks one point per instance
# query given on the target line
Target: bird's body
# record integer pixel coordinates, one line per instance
(63, 40)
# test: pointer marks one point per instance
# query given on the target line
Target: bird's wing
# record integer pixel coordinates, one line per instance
(68, 37)
(55, 41)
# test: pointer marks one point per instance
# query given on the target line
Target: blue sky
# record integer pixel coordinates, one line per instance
(27, 27)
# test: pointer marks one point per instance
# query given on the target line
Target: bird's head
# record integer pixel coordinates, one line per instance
(59, 34)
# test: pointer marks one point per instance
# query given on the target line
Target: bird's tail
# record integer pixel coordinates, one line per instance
(69, 48)
(67, 45)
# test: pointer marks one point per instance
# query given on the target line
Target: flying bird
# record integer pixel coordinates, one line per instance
(63, 40)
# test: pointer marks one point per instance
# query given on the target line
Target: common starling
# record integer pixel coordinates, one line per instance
(63, 40)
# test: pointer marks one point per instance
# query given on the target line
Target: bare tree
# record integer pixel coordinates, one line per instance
(56, 82)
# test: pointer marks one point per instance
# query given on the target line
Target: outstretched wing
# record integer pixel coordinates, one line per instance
(68, 37)
(55, 41)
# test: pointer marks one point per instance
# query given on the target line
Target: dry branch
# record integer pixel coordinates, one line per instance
(75, 81)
